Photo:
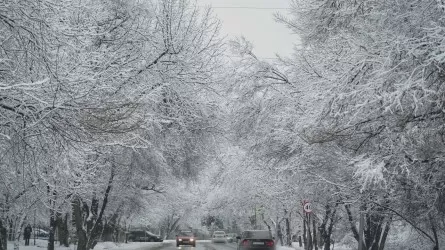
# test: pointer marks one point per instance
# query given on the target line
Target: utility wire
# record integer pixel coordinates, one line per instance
(249, 7)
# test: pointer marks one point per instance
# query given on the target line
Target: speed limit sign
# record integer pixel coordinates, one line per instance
(307, 207)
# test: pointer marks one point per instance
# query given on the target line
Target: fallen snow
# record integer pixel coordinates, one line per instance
(295, 246)
(42, 244)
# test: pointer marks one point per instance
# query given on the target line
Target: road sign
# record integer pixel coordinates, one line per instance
(307, 207)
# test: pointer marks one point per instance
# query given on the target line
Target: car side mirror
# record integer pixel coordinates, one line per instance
(176, 235)
(273, 238)
(238, 237)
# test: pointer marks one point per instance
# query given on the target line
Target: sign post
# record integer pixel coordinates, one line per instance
(360, 231)
(307, 238)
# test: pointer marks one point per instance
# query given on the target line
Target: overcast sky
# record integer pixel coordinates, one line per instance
(257, 25)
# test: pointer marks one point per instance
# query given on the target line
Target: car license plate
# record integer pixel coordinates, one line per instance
(258, 243)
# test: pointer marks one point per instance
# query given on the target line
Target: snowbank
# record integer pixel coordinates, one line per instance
(42, 244)
(127, 246)
(295, 246)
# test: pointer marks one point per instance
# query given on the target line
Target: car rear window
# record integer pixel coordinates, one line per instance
(257, 235)
(185, 233)
(219, 232)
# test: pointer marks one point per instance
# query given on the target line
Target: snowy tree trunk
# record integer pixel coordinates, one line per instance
(3, 236)
(18, 230)
(288, 232)
(78, 223)
(314, 229)
(304, 233)
(62, 229)
(52, 229)
(309, 236)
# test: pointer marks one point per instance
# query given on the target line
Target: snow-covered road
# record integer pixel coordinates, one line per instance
(166, 245)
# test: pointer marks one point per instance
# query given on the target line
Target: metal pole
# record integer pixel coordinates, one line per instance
(255, 218)
(360, 231)
(34, 229)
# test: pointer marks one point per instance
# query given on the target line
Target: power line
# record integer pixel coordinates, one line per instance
(249, 7)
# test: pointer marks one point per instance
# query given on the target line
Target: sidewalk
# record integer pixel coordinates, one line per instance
(42, 245)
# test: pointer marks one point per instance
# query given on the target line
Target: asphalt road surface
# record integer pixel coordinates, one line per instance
(200, 245)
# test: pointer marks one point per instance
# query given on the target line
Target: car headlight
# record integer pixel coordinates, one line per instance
(191, 239)
(180, 239)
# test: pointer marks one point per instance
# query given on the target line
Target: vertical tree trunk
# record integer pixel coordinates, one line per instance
(18, 230)
(78, 223)
(385, 234)
(62, 228)
(11, 230)
(305, 233)
(52, 229)
(309, 236)
(314, 228)
(3, 236)
(288, 232)
(352, 222)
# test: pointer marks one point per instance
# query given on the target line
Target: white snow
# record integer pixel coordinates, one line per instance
(295, 246)
(42, 244)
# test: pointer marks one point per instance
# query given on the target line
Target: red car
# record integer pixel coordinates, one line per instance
(185, 238)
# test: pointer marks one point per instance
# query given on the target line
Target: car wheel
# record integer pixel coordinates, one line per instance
(177, 245)
(194, 245)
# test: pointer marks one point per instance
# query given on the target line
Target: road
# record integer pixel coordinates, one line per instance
(200, 245)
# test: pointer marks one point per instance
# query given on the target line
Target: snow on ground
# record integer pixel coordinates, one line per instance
(295, 246)
(42, 244)
(128, 246)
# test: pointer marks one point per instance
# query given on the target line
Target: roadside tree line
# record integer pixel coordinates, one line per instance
(101, 102)
(352, 121)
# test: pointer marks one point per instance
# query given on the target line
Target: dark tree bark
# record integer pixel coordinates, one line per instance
(92, 222)
(288, 231)
(304, 232)
(309, 236)
(385, 233)
(3, 236)
(52, 217)
(376, 229)
(52, 229)
(327, 225)
(62, 228)
(314, 229)
(78, 223)
(351, 222)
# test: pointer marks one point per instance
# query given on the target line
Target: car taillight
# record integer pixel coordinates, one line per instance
(246, 243)
(270, 243)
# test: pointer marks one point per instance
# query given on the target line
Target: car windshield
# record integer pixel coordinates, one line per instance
(257, 235)
(186, 233)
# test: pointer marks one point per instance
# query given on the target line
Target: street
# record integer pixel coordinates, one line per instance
(200, 245)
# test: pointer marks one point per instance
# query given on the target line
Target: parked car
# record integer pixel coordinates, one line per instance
(143, 236)
(231, 237)
(256, 240)
(185, 238)
(219, 236)
(40, 233)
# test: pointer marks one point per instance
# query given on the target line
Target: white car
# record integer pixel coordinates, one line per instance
(219, 236)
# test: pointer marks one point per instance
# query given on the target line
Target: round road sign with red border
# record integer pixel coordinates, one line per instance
(307, 207)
